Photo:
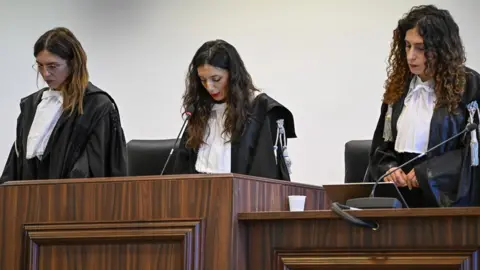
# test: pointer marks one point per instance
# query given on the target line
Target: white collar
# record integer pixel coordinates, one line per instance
(416, 83)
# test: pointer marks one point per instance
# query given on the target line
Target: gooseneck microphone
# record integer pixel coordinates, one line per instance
(382, 202)
(188, 113)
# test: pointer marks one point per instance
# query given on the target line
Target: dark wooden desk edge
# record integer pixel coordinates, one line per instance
(110, 179)
(155, 178)
(380, 213)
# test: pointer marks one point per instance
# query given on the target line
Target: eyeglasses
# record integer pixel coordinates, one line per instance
(50, 68)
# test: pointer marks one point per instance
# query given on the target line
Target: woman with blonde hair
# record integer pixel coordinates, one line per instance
(70, 129)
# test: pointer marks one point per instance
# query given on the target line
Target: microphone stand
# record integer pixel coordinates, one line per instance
(188, 113)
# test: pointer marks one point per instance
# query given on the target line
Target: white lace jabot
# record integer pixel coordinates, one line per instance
(46, 116)
(413, 126)
(215, 155)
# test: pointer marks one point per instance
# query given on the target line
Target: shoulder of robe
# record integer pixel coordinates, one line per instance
(96, 98)
(33, 98)
(472, 86)
(271, 106)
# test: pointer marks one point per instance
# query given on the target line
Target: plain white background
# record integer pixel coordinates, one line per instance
(325, 60)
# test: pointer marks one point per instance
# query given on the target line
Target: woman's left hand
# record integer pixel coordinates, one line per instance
(412, 179)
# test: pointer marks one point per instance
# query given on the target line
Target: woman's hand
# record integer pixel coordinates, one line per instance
(398, 177)
(412, 179)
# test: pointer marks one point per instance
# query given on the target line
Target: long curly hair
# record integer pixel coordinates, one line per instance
(63, 43)
(220, 54)
(443, 49)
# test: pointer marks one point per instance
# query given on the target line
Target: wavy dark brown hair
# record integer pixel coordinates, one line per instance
(61, 42)
(444, 52)
(220, 54)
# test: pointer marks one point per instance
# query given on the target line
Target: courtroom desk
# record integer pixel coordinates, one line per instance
(151, 222)
(446, 238)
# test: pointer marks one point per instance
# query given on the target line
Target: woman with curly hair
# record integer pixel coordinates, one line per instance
(430, 95)
(235, 128)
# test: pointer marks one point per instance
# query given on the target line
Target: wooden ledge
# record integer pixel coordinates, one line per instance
(197, 177)
(380, 213)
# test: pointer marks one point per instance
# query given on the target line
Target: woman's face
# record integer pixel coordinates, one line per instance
(415, 50)
(54, 70)
(214, 80)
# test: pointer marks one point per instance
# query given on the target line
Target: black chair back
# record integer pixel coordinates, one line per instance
(356, 160)
(147, 157)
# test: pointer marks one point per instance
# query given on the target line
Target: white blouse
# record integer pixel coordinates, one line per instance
(215, 155)
(46, 116)
(413, 126)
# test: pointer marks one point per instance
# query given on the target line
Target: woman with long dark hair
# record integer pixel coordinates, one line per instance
(430, 95)
(70, 129)
(235, 127)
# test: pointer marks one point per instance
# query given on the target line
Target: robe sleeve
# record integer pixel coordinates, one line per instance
(382, 153)
(105, 151)
(445, 179)
(11, 167)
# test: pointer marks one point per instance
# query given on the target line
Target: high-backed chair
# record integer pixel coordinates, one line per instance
(147, 157)
(356, 160)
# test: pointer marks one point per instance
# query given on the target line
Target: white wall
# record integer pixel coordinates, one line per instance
(325, 60)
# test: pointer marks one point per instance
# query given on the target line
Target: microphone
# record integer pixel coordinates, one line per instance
(385, 202)
(189, 112)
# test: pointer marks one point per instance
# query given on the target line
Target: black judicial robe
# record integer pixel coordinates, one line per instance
(446, 177)
(252, 154)
(81, 146)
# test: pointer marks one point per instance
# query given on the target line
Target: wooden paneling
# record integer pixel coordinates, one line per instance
(252, 195)
(50, 208)
(375, 259)
(114, 245)
(406, 239)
